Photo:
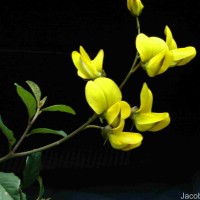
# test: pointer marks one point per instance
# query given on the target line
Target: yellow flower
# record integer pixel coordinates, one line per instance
(181, 56)
(122, 140)
(158, 55)
(87, 68)
(144, 119)
(135, 7)
(102, 93)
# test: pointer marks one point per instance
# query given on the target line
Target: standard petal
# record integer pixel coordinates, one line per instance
(158, 45)
(95, 97)
(182, 56)
(171, 43)
(110, 89)
(144, 47)
(148, 47)
(146, 100)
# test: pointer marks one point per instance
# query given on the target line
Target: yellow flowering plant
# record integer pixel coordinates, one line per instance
(105, 97)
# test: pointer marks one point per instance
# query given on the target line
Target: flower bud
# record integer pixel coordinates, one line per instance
(135, 7)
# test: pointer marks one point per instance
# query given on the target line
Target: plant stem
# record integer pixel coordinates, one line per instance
(93, 126)
(30, 123)
(134, 67)
(25, 153)
(12, 153)
(138, 24)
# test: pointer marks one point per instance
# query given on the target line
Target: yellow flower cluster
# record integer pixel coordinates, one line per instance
(105, 98)
(158, 55)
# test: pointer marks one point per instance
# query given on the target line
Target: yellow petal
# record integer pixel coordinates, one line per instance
(95, 97)
(119, 128)
(125, 140)
(102, 93)
(182, 56)
(125, 110)
(121, 110)
(112, 113)
(169, 39)
(81, 65)
(131, 146)
(168, 60)
(148, 47)
(159, 63)
(151, 121)
(146, 100)
(87, 68)
(98, 61)
(76, 59)
(160, 125)
(84, 53)
(110, 89)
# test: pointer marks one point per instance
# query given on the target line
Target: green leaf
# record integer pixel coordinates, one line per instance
(32, 169)
(28, 100)
(10, 187)
(47, 130)
(61, 108)
(8, 133)
(41, 191)
(35, 89)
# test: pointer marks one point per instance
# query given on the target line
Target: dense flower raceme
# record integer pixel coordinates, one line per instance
(135, 7)
(122, 140)
(87, 68)
(146, 120)
(158, 55)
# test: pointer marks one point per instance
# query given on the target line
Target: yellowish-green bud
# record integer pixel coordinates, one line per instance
(135, 7)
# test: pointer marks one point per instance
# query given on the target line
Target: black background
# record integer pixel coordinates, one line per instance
(36, 41)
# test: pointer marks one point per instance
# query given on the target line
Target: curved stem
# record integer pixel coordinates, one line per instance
(11, 154)
(94, 126)
(134, 67)
(25, 153)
